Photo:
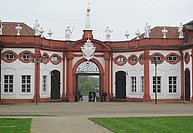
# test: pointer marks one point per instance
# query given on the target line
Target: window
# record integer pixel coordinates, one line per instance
(8, 83)
(158, 84)
(132, 59)
(157, 57)
(45, 58)
(187, 57)
(141, 59)
(44, 83)
(172, 58)
(133, 84)
(142, 84)
(172, 84)
(120, 60)
(26, 83)
(26, 56)
(9, 56)
(55, 59)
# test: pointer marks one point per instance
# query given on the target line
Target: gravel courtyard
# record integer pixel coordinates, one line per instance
(73, 117)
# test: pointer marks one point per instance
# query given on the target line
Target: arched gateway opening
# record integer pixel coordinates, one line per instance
(87, 74)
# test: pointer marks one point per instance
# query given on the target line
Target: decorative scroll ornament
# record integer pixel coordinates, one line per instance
(87, 67)
(88, 50)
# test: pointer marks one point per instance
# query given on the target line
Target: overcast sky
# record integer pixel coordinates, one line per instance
(119, 15)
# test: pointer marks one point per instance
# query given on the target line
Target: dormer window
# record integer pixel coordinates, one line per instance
(120, 60)
(133, 59)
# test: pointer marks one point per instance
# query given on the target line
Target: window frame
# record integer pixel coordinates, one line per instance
(8, 84)
(140, 59)
(47, 56)
(8, 52)
(173, 54)
(118, 63)
(142, 84)
(26, 84)
(130, 59)
(133, 84)
(44, 83)
(20, 56)
(187, 57)
(173, 84)
(59, 59)
(157, 55)
(158, 84)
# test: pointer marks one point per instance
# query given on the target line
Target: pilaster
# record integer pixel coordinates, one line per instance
(107, 74)
(70, 92)
(146, 96)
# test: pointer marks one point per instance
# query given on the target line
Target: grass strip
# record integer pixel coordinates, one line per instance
(169, 124)
(11, 125)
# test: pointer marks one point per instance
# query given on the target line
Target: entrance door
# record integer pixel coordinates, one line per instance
(120, 85)
(187, 85)
(55, 85)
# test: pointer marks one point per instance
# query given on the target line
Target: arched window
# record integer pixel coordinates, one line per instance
(132, 59)
(120, 60)
(9, 56)
(55, 59)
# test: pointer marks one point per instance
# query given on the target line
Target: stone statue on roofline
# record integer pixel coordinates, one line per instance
(36, 28)
(180, 30)
(108, 33)
(68, 32)
(147, 30)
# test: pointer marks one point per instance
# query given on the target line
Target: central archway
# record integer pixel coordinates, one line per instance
(91, 68)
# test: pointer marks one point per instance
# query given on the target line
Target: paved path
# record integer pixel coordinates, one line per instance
(73, 117)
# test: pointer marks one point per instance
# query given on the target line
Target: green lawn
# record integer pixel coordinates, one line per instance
(172, 124)
(10, 125)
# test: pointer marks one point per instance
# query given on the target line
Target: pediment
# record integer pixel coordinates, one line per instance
(100, 46)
